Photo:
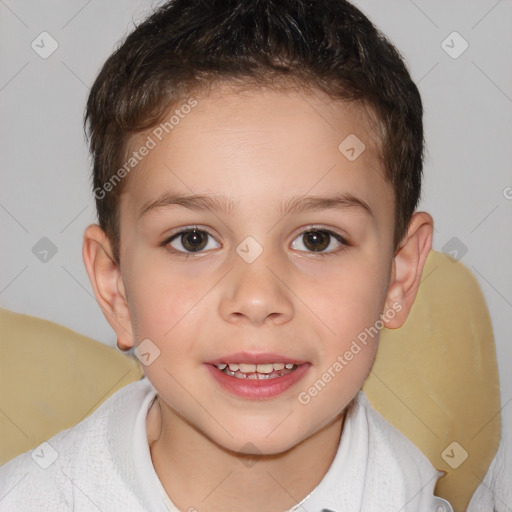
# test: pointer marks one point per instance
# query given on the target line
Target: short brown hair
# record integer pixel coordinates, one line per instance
(187, 45)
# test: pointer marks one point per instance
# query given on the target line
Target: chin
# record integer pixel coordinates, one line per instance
(268, 439)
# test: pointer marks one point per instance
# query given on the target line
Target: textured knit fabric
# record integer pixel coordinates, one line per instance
(104, 464)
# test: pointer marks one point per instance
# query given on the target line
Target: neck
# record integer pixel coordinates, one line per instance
(199, 474)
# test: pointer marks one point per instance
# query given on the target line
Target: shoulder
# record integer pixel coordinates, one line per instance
(495, 491)
(32, 482)
(388, 442)
(74, 461)
(395, 460)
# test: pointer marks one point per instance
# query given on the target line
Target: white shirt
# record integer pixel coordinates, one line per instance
(104, 464)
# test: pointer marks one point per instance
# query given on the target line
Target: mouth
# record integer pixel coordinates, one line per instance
(257, 376)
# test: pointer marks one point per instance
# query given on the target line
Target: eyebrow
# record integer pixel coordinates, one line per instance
(223, 204)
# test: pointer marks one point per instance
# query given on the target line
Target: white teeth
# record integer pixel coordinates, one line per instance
(255, 371)
(250, 368)
(246, 368)
(265, 368)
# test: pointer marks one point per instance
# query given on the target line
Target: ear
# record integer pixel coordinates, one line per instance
(107, 283)
(408, 264)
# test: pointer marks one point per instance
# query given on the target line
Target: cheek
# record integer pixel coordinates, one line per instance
(161, 301)
(348, 300)
(163, 312)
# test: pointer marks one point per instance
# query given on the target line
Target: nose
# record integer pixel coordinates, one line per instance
(256, 293)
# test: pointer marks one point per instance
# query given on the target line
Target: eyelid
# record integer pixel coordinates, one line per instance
(192, 227)
(323, 227)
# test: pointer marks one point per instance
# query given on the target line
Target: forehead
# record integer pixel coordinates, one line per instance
(258, 145)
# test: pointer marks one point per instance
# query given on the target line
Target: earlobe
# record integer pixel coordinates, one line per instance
(107, 283)
(408, 264)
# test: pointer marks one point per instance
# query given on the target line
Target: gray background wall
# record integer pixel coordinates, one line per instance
(44, 166)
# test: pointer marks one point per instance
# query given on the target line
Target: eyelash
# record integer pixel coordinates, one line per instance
(345, 244)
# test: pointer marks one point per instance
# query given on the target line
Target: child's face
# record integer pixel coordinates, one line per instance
(229, 303)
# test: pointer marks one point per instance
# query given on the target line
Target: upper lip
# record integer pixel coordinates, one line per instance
(255, 358)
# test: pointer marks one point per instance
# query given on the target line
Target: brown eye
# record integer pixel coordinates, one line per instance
(316, 240)
(190, 241)
(194, 240)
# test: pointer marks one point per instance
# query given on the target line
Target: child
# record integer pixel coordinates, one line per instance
(257, 166)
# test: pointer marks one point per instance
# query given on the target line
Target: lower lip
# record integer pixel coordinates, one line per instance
(256, 389)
